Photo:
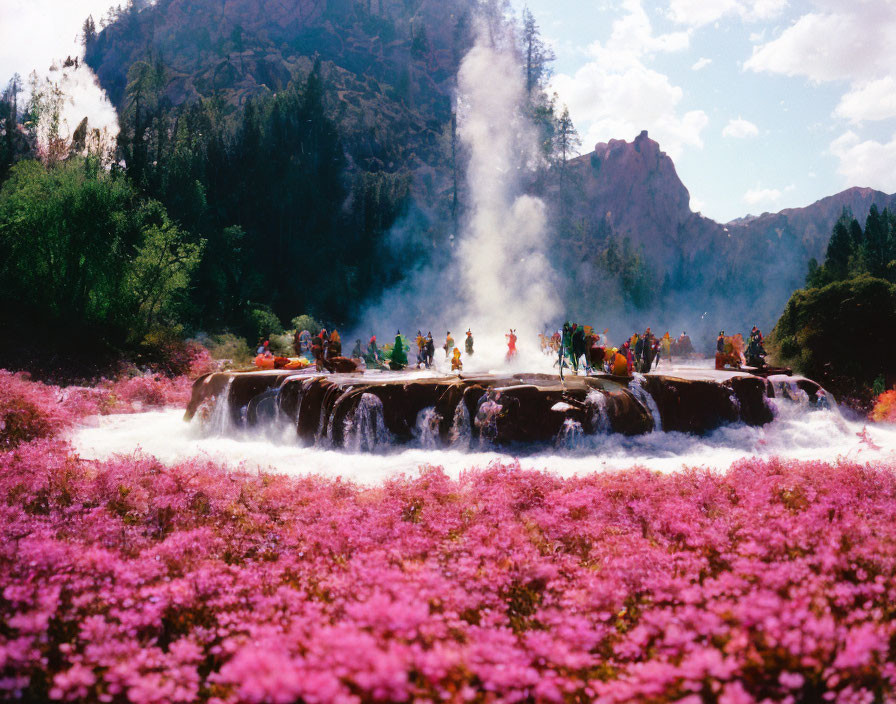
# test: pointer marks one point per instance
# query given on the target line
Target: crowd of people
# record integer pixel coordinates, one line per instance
(581, 347)
(730, 350)
(574, 346)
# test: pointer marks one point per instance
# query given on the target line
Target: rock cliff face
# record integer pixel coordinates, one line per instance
(631, 189)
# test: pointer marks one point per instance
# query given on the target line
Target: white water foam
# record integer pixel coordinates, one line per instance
(797, 432)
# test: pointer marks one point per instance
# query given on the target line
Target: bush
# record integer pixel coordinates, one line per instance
(842, 335)
(306, 322)
(130, 580)
(163, 350)
(884, 410)
(30, 410)
(229, 348)
(265, 323)
(283, 345)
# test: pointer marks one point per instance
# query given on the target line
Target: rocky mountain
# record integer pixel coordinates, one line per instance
(390, 64)
(629, 192)
(631, 189)
(812, 223)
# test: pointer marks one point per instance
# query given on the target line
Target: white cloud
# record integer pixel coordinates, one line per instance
(740, 129)
(701, 63)
(616, 94)
(697, 205)
(871, 100)
(697, 13)
(866, 163)
(755, 196)
(843, 40)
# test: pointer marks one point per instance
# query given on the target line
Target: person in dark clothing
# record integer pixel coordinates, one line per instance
(756, 350)
(468, 343)
(430, 349)
(720, 343)
(647, 352)
(578, 346)
(319, 349)
(565, 344)
(639, 350)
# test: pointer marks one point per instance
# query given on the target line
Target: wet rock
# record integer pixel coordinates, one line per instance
(533, 408)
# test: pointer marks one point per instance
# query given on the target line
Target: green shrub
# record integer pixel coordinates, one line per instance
(265, 323)
(306, 322)
(841, 335)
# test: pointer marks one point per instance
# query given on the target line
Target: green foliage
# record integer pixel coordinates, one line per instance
(265, 323)
(841, 334)
(306, 322)
(852, 251)
(79, 246)
(229, 347)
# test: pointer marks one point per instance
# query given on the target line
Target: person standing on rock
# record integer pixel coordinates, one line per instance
(456, 362)
(319, 349)
(647, 351)
(666, 346)
(511, 344)
(565, 344)
(578, 346)
(449, 344)
(468, 343)
(430, 349)
(334, 349)
(421, 348)
(372, 358)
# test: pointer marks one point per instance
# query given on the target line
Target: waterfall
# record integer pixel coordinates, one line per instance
(426, 429)
(365, 428)
(600, 417)
(571, 436)
(735, 404)
(220, 420)
(461, 431)
(639, 392)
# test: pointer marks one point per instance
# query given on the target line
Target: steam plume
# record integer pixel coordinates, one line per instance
(500, 276)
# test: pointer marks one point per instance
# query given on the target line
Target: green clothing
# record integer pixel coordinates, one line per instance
(399, 357)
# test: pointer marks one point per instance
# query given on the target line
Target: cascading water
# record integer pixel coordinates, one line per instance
(461, 431)
(600, 418)
(571, 436)
(220, 420)
(365, 429)
(639, 392)
(426, 429)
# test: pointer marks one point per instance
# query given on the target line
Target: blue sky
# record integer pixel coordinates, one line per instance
(763, 104)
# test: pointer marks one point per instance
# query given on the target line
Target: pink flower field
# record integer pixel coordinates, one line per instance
(127, 580)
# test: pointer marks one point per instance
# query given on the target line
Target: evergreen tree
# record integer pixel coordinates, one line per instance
(537, 56)
(875, 249)
(839, 252)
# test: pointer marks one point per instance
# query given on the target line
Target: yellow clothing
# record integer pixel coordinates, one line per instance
(456, 363)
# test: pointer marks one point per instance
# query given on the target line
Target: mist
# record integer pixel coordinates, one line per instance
(497, 276)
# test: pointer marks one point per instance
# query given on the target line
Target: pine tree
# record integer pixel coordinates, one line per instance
(875, 247)
(840, 249)
(537, 56)
(88, 33)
